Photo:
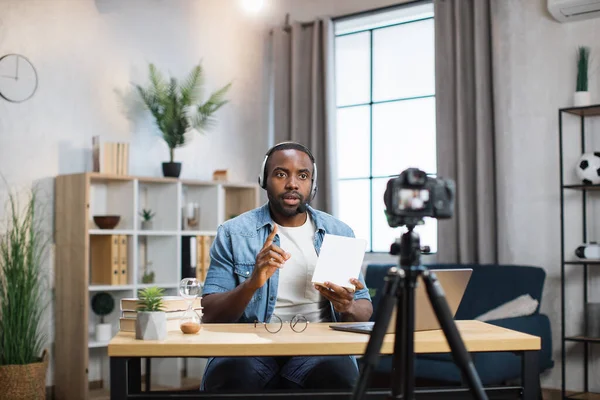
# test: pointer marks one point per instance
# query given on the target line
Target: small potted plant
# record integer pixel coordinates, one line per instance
(582, 95)
(147, 216)
(177, 109)
(148, 276)
(103, 304)
(151, 321)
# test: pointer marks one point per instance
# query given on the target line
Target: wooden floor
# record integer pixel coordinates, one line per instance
(104, 394)
(555, 395)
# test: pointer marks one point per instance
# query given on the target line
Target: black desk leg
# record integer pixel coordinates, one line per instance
(134, 375)
(530, 372)
(118, 372)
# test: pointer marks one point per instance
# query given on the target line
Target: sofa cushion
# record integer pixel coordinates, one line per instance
(520, 307)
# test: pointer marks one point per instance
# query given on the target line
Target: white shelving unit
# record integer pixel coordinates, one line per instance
(80, 197)
(110, 288)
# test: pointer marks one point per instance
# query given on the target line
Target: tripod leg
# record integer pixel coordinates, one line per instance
(382, 319)
(408, 343)
(399, 358)
(457, 346)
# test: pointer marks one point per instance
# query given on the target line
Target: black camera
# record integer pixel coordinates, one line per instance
(413, 195)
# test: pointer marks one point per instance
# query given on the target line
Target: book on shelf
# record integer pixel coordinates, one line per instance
(110, 157)
(170, 303)
(203, 243)
(188, 256)
(108, 259)
(195, 256)
(124, 260)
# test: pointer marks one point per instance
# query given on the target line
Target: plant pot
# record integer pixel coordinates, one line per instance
(151, 325)
(26, 381)
(582, 99)
(146, 225)
(103, 332)
(171, 169)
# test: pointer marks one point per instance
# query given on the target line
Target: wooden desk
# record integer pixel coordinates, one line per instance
(216, 340)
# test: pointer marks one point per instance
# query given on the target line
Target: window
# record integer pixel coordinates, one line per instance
(385, 93)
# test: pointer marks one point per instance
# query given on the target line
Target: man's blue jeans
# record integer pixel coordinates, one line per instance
(254, 374)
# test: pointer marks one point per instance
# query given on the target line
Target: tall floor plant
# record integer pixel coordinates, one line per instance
(23, 286)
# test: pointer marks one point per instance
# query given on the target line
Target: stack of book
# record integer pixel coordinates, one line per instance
(174, 306)
(110, 157)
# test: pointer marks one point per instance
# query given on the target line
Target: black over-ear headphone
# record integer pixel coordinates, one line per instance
(262, 178)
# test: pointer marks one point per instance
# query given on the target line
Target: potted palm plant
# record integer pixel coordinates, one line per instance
(178, 110)
(582, 95)
(24, 288)
(151, 321)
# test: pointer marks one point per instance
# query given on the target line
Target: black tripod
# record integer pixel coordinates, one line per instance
(400, 289)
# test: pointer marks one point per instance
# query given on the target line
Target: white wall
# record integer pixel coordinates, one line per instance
(88, 53)
(534, 76)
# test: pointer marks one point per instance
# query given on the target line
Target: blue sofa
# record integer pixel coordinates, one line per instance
(489, 287)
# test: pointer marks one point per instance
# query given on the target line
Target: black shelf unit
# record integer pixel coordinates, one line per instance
(582, 113)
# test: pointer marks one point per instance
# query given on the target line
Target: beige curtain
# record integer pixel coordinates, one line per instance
(465, 129)
(303, 104)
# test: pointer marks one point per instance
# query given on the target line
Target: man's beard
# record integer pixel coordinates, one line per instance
(280, 207)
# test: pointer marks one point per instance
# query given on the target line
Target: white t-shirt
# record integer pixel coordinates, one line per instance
(296, 293)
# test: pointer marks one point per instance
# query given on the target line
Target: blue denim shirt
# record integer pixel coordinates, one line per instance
(238, 242)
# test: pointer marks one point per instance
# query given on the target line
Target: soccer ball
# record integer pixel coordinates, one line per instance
(588, 168)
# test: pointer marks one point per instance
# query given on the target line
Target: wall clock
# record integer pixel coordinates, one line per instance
(18, 78)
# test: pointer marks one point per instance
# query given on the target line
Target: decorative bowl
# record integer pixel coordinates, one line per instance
(107, 221)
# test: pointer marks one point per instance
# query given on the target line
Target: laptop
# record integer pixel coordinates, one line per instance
(453, 282)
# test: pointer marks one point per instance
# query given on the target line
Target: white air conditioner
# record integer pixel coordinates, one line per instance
(574, 10)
